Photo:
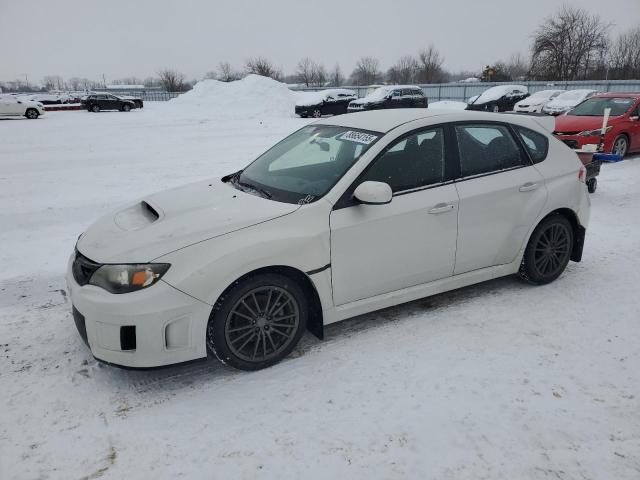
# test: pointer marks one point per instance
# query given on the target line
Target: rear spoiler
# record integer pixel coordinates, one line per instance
(548, 122)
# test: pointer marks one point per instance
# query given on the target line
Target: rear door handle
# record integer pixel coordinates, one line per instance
(529, 186)
(442, 208)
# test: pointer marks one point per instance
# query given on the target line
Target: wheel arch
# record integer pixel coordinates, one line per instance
(578, 230)
(315, 321)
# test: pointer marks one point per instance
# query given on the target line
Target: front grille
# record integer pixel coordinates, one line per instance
(78, 318)
(83, 268)
(571, 143)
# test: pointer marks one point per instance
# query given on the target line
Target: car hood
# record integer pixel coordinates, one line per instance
(531, 101)
(173, 219)
(575, 123)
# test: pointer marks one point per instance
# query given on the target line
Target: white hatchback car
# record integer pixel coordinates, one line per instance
(10, 106)
(345, 216)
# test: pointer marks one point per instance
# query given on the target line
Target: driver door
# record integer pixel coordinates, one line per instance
(376, 249)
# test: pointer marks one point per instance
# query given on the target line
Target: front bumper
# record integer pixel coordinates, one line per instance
(152, 327)
(577, 142)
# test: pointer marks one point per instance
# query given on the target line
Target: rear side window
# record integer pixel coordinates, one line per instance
(486, 148)
(536, 144)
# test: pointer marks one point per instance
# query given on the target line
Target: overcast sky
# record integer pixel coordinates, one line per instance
(119, 38)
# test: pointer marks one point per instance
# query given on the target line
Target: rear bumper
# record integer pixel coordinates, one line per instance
(153, 327)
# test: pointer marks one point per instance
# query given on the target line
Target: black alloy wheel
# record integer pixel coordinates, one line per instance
(258, 322)
(548, 251)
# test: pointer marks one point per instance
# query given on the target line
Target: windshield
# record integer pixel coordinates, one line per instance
(594, 107)
(306, 165)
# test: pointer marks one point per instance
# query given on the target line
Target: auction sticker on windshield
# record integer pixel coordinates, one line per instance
(360, 137)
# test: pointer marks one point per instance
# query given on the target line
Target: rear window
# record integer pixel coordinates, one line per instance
(536, 144)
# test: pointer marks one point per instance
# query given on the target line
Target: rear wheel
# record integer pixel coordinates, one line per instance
(592, 185)
(95, 108)
(620, 145)
(126, 107)
(257, 322)
(496, 108)
(317, 113)
(548, 251)
(31, 114)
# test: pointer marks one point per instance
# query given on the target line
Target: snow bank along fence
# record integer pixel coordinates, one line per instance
(462, 91)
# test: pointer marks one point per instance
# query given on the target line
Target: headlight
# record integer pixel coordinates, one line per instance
(594, 133)
(128, 278)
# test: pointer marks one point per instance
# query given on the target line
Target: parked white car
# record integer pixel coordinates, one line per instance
(10, 106)
(535, 102)
(345, 216)
(566, 101)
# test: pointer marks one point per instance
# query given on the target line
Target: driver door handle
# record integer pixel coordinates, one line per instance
(442, 208)
(529, 186)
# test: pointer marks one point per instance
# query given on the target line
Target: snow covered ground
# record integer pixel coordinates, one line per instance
(500, 380)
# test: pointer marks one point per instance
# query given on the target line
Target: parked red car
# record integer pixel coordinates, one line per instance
(582, 125)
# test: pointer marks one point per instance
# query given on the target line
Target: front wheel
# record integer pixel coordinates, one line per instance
(95, 108)
(496, 109)
(126, 108)
(257, 322)
(317, 113)
(548, 251)
(592, 185)
(32, 114)
(620, 145)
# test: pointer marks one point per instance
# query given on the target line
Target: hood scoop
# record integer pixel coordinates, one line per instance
(136, 216)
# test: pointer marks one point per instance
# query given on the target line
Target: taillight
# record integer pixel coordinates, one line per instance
(582, 175)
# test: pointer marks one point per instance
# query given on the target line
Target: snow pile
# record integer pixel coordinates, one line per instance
(252, 97)
(447, 105)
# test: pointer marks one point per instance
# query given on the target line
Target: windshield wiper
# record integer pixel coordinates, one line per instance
(244, 186)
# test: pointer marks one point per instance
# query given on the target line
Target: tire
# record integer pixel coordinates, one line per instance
(317, 113)
(548, 251)
(257, 322)
(496, 109)
(31, 114)
(95, 108)
(592, 185)
(620, 145)
(126, 107)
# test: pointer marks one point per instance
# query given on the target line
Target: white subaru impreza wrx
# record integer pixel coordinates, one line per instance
(345, 216)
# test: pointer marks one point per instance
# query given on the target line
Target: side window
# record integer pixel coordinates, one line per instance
(536, 144)
(486, 148)
(396, 93)
(414, 161)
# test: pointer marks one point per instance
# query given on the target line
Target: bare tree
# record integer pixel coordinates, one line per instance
(305, 71)
(624, 62)
(336, 78)
(517, 67)
(405, 70)
(53, 82)
(226, 73)
(367, 71)
(568, 45)
(319, 75)
(430, 66)
(264, 67)
(171, 80)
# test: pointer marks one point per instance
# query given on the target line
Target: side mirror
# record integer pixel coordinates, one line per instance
(373, 193)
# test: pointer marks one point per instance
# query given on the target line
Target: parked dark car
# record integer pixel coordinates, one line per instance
(104, 101)
(137, 100)
(325, 102)
(391, 96)
(501, 98)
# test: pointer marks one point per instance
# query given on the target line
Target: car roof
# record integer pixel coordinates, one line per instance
(387, 119)
(617, 94)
